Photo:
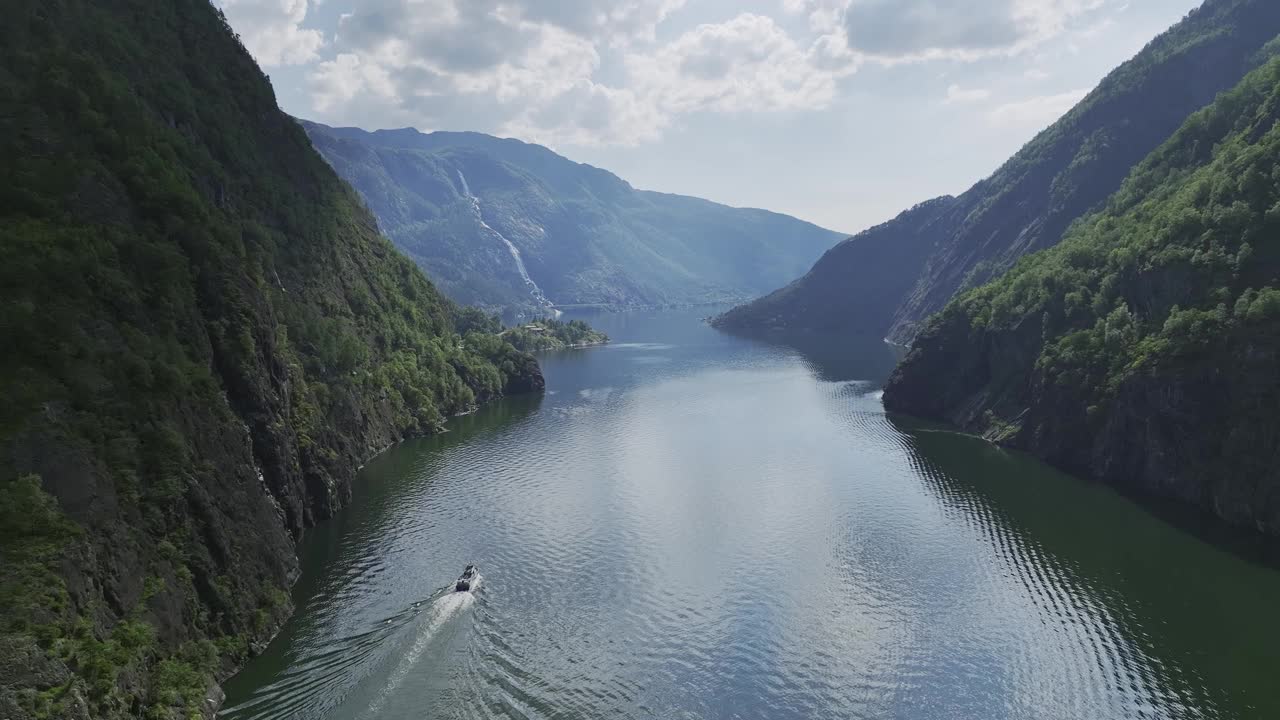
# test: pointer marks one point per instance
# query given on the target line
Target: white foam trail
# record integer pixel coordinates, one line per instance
(439, 613)
(534, 290)
(595, 393)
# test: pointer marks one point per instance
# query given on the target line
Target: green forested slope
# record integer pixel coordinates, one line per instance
(551, 334)
(585, 236)
(1144, 349)
(1066, 171)
(540, 334)
(204, 335)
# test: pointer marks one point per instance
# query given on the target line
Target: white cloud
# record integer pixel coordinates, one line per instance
(957, 94)
(338, 81)
(638, 19)
(272, 30)
(825, 16)
(590, 114)
(895, 31)
(594, 71)
(1035, 113)
(748, 64)
(441, 63)
(531, 68)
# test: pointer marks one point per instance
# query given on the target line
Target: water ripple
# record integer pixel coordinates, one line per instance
(694, 526)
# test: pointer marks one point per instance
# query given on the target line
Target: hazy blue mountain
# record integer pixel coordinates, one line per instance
(506, 224)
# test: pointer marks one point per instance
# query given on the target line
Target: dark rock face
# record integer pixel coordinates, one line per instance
(527, 380)
(1207, 433)
(1067, 171)
(23, 664)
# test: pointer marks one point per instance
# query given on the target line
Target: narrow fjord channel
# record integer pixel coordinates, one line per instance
(692, 525)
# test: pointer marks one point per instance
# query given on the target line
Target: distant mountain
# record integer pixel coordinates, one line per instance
(1143, 350)
(889, 279)
(857, 283)
(503, 224)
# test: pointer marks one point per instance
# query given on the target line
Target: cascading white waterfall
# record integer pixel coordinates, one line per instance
(538, 296)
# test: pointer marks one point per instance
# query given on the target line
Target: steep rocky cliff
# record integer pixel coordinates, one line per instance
(1068, 170)
(204, 336)
(504, 224)
(1142, 350)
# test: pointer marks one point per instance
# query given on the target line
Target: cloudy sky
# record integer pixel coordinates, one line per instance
(843, 112)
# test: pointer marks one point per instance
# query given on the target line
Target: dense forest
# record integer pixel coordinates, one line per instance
(552, 334)
(533, 335)
(1144, 348)
(204, 336)
(887, 280)
(452, 202)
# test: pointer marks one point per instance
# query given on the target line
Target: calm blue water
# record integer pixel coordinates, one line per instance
(690, 525)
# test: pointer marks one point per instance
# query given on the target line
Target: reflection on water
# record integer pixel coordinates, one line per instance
(835, 358)
(695, 525)
(1196, 615)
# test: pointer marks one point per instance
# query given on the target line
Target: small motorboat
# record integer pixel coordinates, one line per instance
(469, 579)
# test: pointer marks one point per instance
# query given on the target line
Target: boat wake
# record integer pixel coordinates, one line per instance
(435, 619)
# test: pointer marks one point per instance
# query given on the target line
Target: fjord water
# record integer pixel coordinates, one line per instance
(692, 525)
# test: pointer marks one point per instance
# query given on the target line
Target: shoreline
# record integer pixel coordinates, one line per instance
(215, 695)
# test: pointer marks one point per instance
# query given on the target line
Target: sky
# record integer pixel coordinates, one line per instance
(840, 112)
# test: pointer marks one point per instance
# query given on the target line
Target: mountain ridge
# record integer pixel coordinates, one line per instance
(586, 236)
(1142, 350)
(1031, 199)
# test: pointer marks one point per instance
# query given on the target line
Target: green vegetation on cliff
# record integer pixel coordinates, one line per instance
(528, 336)
(1144, 348)
(888, 280)
(452, 201)
(551, 334)
(204, 336)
